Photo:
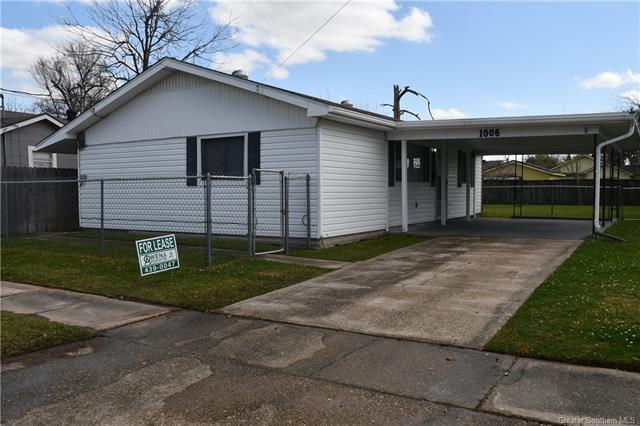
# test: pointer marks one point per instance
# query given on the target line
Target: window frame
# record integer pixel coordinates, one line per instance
(245, 149)
(31, 161)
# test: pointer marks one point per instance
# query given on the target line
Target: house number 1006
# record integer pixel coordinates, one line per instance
(489, 133)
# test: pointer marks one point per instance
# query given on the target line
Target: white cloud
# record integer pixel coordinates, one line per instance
(609, 80)
(246, 60)
(21, 47)
(510, 105)
(631, 95)
(447, 113)
(283, 26)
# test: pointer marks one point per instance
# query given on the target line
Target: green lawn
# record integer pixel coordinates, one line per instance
(75, 265)
(190, 240)
(506, 211)
(362, 250)
(26, 333)
(587, 311)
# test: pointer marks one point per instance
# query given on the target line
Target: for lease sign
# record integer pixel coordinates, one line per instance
(157, 254)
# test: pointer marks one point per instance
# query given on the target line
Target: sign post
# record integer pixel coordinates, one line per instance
(157, 254)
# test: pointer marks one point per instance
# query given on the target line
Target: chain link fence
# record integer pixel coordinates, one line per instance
(573, 200)
(261, 213)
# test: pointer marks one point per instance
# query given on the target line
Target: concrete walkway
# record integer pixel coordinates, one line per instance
(68, 307)
(452, 290)
(196, 368)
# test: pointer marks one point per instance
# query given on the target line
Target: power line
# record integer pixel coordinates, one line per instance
(20, 92)
(307, 40)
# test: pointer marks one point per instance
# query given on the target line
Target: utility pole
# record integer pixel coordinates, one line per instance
(397, 96)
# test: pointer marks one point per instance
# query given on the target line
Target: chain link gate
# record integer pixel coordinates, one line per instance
(268, 215)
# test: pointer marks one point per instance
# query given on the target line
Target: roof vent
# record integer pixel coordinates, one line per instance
(346, 103)
(240, 74)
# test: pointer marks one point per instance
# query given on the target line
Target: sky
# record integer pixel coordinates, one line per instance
(471, 59)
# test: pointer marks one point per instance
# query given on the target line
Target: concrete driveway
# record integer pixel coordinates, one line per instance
(450, 290)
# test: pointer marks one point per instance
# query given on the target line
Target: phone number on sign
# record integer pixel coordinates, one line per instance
(159, 267)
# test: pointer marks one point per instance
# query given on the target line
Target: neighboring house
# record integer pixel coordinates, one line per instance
(520, 171)
(368, 171)
(22, 132)
(581, 167)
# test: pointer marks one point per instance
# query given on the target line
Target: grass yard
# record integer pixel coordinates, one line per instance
(362, 250)
(506, 211)
(26, 333)
(75, 265)
(189, 240)
(587, 311)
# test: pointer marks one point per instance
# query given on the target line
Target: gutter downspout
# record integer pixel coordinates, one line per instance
(596, 198)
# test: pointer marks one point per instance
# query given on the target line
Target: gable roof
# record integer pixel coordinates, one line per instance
(16, 120)
(13, 117)
(523, 164)
(315, 107)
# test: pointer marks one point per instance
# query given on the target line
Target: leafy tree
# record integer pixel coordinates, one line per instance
(546, 161)
(632, 105)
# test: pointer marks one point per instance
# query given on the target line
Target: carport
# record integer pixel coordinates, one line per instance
(605, 136)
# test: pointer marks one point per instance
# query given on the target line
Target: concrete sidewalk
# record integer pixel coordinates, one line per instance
(197, 368)
(72, 308)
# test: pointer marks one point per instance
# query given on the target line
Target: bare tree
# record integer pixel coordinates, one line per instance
(134, 34)
(74, 80)
(398, 93)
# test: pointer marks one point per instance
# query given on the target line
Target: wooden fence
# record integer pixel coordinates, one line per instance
(559, 192)
(36, 200)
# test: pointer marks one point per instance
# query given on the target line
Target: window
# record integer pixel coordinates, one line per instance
(223, 156)
(418, 163)
(41, 159)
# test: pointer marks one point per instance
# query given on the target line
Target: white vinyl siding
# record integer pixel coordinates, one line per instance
(421, 203)
(353, 167)
(456, 196)
(184, 105)
(171, 205)
(295, 152)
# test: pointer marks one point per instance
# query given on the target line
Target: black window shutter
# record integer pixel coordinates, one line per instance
(434, 171)
(253, 154)
(192, 160)
(398, 154)
(392, 163)
(459, 168)
(472, 178)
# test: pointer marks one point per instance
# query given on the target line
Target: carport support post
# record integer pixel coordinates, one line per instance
(404, 186)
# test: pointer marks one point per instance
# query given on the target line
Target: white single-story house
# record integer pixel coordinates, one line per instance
(185, 119)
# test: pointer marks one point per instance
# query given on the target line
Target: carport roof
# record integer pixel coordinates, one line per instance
(550, 134)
